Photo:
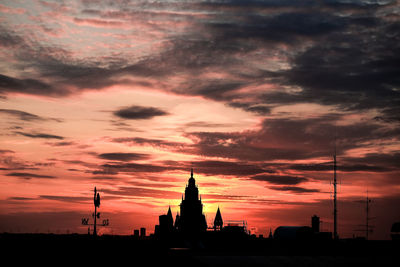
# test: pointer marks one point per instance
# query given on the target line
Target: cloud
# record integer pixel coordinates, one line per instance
(343, 167)
(62, 143)
(21, 198)
(40, 135)
(205, 167)
(274, 140)
(139, 113)
(323, 35)
(279, 179)
(22, 115)
(66, 198)
(214, 167)
(10, 10)
(124, 156)
(6, 151)
(204, 124)
(27, 176)
(112, 168)
(148, 141)
(28, 86)
(99, 23)
(294, 189)
(143, 192)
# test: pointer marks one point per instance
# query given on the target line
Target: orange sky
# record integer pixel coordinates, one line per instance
(128, 96)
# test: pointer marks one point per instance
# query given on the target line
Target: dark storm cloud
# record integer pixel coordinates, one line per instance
(40, 135)
(295, 189)
(139, 113)
(279, 179)
(25, 175)
(124, 156)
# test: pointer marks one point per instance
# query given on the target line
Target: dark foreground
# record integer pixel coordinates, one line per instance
(48, 249)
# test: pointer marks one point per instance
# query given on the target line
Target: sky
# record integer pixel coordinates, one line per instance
(128, 96)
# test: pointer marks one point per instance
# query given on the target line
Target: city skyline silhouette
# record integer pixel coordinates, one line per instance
(259, 97)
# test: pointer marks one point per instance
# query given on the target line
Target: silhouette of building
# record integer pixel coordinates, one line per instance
(236, 227)
(395, 231)
(142, 232)
(218, 222)
(192, 221)
(270, 236)
(315, 223)
(136, 233)
(177, 220)
(293, 232)
(303, 232)
(166, 224)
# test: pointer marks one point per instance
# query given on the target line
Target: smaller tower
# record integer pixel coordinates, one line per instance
(177, 220)
(315, 223)
(170, 218)
(270, 234)
(166, 224)
(218, 222)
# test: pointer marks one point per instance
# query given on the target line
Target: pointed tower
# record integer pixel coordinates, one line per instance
(192, 220)
(218, 222)
(166, 224)
(169, 216)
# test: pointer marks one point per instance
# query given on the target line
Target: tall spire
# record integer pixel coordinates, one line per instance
(218, 222)
(169, 211)
(191, 173)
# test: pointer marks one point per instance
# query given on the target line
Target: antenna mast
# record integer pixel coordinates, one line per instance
(367, 218)
(335, 234)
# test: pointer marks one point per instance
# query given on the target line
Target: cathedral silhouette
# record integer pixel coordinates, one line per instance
(191, 222)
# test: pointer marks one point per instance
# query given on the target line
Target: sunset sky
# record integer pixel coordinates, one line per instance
(127, 96)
